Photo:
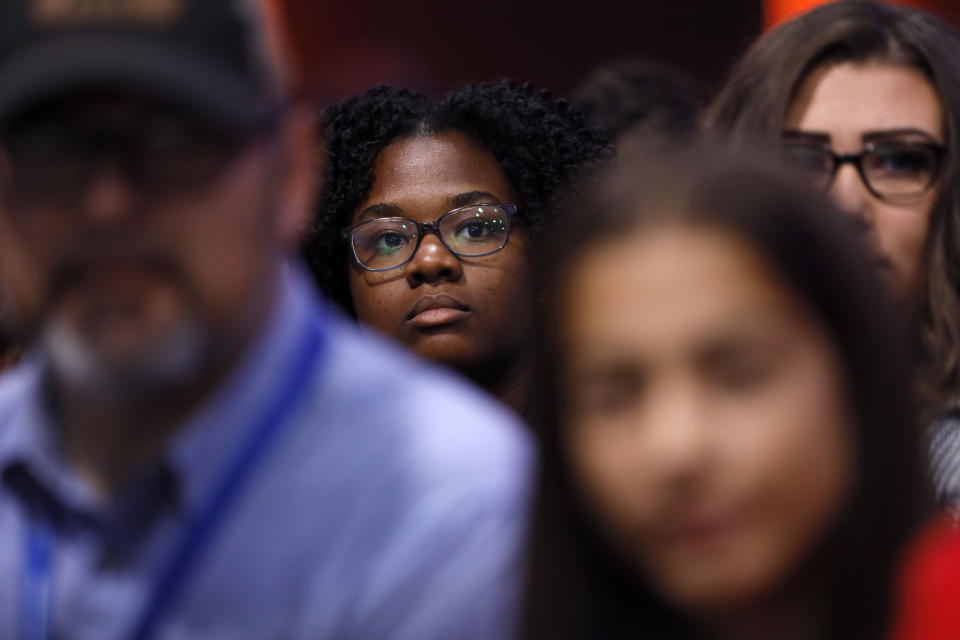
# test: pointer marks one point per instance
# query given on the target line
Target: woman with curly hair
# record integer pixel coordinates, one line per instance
(428, 213)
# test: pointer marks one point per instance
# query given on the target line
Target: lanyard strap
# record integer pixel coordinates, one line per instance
(36, 594)
(196, 535)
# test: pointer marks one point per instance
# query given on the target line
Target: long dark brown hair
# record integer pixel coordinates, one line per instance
(754, 102)
(577, 587)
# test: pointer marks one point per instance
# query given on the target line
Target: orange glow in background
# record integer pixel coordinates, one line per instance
(777, 11)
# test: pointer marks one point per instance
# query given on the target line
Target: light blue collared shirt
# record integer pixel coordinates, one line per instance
(392, 506)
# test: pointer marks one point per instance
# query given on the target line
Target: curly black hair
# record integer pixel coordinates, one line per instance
(543, 145)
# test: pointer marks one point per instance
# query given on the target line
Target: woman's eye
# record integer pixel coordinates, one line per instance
(904, 161)
(607, 393)
(608, 399)
(389, 242)
(740, 368)
(474, 230)
(741, 378)
(808, 159)
(741, 375)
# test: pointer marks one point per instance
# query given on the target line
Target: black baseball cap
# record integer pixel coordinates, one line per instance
(209, 57)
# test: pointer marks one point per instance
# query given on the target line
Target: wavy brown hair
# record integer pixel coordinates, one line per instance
(754, 102)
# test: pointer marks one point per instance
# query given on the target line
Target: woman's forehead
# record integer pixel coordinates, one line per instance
(436, 167)
(852, 99)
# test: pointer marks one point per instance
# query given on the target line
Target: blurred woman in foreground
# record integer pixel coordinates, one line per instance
(728, 444)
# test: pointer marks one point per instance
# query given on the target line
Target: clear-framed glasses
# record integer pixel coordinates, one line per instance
(472, 231)
(897, 171)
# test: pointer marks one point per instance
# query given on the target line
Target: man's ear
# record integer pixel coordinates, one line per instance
(302, 173)
(21, 284)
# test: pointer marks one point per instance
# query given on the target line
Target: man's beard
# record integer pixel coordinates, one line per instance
(167, 365)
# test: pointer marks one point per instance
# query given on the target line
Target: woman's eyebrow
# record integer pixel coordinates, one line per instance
(815, 136)
(471, 197)
(893, 133)
(381, 210)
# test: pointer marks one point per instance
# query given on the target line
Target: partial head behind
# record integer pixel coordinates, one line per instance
(636, 97)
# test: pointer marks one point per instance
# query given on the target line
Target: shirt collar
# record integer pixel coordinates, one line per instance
(29, 439)
(205, 445)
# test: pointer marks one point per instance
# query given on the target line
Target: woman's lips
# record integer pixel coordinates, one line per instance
(437, 317)
(437, 311)
(704, 528)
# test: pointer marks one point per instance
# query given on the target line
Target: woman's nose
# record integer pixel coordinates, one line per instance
(433, 262)
(851, 195)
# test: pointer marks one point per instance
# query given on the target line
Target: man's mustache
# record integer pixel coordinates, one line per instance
(71, 270)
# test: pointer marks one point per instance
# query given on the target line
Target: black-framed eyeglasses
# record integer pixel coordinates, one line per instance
(893, 170)
(472, 231)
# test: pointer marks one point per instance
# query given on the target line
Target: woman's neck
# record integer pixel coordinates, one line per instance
(798, 613)
(510, 381)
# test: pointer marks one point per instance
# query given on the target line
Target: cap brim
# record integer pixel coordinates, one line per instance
(164, 71)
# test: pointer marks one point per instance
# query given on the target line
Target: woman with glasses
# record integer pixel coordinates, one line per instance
(428, 213)
(727, 450)
(864, 97)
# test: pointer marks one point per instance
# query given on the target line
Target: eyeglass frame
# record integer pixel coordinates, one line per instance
(510, 209)
(856, 159)
(232, 144)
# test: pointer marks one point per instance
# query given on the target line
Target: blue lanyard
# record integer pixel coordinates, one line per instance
(196, 535)
(36, 595)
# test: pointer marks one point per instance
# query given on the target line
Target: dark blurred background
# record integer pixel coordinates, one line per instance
(343, 46)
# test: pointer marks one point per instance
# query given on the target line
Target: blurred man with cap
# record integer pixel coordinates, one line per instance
(198, 447)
